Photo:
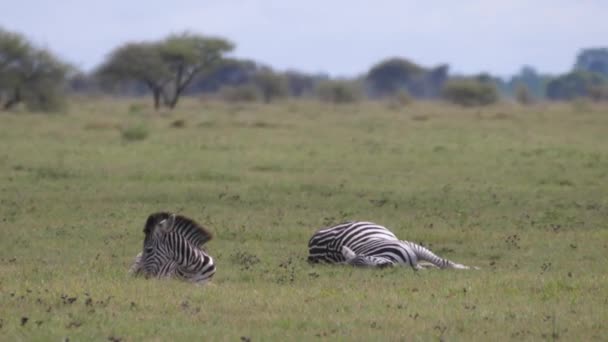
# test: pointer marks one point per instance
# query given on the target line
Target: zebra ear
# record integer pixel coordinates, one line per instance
(348, 253)
(167, 224)
(172, 219)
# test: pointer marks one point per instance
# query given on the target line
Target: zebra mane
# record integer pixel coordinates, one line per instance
(194, 232)
(184, 226)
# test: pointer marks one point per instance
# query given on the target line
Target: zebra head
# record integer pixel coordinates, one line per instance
(157, 225)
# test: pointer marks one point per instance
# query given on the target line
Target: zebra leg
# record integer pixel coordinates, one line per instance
(136, 267)
(425, 254)
(425, 264)
(364, 260)
(348, 254)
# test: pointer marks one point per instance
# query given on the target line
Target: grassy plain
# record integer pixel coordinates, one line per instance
(521, 192)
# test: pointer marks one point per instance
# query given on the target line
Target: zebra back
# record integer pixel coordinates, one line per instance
(191, 230)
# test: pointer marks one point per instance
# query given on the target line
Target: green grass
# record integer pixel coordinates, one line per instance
(520, 192)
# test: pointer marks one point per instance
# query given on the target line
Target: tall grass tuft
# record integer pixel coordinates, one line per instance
(135, 133)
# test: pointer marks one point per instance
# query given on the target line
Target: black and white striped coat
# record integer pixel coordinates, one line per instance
(363, 243)
(172, 248)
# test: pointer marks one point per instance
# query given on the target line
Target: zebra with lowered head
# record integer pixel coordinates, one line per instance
(367, 244)
(172, 248)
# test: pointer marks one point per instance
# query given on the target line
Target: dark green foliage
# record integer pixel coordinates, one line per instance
(301, 84)
(471, 92)
(29, 75)
(392, 75)
(339, 91)
(228, 72)
(574, 84)
(593, 60)
(137, 62)
(187, 55)
(238, 72)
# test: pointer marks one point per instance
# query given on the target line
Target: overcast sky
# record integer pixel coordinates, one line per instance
(341, 37)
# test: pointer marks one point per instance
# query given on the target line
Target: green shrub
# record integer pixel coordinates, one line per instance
(470, 92)
(47, 99)
(598, 92)
(338, 91)
(574, 84)
(135, 133)
(136, 108)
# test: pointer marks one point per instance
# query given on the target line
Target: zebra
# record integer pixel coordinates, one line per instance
(172, 248)
(362, 243)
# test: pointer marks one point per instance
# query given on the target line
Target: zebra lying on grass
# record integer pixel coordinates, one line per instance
(172, 248)
(370, 245)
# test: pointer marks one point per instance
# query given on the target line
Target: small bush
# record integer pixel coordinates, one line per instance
(241, 93)
(470, 92)
(136, 108)
(574, 84)
(49, 99)
(135, 133)
(598, 92)
(339, 91)
(179, 123)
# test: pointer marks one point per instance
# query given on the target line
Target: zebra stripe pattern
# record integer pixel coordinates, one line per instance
(326, 244)
(172, 248)
(370, 245)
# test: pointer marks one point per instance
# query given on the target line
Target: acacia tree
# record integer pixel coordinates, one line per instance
(166, 67)
(187, 55)
(29, 74)
(137, 62)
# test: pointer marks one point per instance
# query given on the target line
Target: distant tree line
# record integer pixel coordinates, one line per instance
(193, 64)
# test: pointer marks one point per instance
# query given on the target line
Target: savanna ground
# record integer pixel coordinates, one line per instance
(520, 192)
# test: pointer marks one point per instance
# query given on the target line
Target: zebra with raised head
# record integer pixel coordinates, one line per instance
(172, 248)
(370, 245)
